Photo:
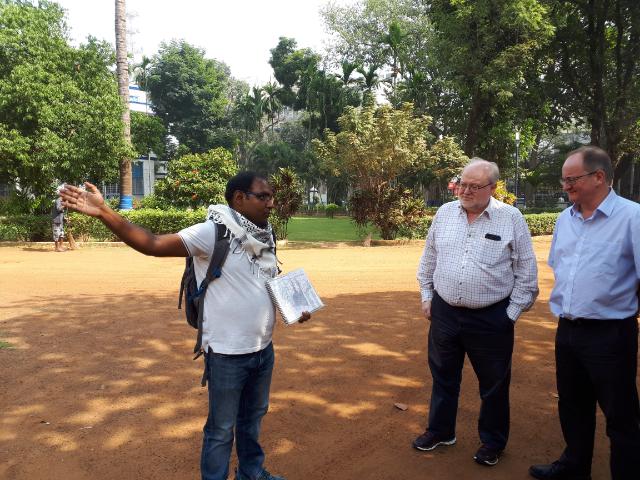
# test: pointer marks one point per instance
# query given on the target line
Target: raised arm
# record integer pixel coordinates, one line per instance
(90, 202)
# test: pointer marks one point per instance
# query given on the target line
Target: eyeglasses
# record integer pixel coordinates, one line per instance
(573, 180)
(262, 196)
(473, 188)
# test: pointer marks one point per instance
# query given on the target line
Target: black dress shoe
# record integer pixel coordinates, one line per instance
(556, 471)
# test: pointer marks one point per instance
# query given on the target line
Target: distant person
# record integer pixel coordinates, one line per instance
(238, 313)
(477, 275)
(595, 256)
(57, 226)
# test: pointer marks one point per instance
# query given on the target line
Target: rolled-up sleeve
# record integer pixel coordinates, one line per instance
(428, 263)
(525, 271)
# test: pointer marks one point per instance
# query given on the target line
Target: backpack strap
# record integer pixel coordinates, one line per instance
(214, 270)
(183, 282)
(275, 247)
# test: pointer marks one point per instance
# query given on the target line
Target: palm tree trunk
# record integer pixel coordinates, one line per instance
(122, 65)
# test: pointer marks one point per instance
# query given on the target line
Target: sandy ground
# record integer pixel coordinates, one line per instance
(99, 383)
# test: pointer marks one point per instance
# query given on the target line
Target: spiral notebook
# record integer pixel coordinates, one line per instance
(293, 294)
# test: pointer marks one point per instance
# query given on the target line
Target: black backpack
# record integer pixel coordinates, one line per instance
(193, 293)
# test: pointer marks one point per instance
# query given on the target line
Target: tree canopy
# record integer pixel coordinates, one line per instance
(59, 106)
(196, 180)
(375, 146)
(189, 93)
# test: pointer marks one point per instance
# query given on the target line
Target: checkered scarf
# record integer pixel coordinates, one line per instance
(245, 237)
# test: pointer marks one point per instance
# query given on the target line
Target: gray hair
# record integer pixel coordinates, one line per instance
(490, 168)
(595, 158)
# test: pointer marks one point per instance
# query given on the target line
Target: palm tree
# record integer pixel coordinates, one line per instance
(347, 70)
(370, 82)
(122, 67)
(258, 99)
(393, 39)
(272, 103)
(141, 72)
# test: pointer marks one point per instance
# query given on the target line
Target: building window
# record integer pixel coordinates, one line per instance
(137, 178)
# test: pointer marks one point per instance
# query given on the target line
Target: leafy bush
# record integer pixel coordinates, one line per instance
(151, 201)
(288, 196)
(12, 233)
(530, 210)
(16, 204)
(22, 228)
(417, 230)
(503, 194)
(38, 227)
(388, 210)
(156, 221)
(541, 223)
(196, 180)
(331, 209)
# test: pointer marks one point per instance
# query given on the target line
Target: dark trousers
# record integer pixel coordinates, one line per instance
(486, 336)
(596, 361)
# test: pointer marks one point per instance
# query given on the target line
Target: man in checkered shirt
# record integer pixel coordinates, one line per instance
(477, 275)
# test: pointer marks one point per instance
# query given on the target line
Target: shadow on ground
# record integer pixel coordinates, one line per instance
(104, 387)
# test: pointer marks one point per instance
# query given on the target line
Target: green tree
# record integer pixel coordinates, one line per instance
(272, 103)
(310, 87)
(596, 74)
(195, 180)
(374, 148)
(446, 160)
(476, 67)
(141, 72)
(189, 93)
(486, 50)
(293, 69)
(60, 115)
(148, 133)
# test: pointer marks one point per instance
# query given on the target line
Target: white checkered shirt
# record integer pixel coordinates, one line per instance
(476, 265)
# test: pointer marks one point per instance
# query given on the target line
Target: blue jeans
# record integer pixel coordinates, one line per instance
(238, 397)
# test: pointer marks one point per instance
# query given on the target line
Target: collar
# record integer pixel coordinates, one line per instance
(605, 207)
(491, 207)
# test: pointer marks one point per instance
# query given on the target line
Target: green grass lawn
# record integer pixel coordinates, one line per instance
(323, 229)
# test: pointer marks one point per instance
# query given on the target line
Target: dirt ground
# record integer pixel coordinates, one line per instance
(99, 383)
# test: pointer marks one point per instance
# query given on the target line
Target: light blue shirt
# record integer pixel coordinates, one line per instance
(596, 261)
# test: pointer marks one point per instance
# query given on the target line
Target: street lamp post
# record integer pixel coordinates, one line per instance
(517, 162)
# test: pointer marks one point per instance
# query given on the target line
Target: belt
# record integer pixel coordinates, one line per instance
(579, 321)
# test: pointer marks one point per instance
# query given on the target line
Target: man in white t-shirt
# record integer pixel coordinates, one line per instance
(238, 316)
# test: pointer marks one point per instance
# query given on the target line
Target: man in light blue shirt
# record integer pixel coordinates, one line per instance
(595, 256)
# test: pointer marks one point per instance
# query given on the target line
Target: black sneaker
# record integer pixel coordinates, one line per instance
(487, 456)
(429, 440)
(556, 471)
(263, 476)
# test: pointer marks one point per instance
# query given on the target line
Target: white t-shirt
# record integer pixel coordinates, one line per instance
(238, 313)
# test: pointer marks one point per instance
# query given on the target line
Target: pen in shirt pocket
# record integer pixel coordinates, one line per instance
(491, 236)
